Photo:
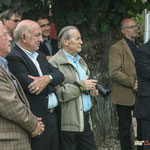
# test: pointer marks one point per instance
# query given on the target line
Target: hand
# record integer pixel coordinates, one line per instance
(90, 84)
(48, 57)
(135, 87)
(39, 129)
(94, 92)
(38, 84)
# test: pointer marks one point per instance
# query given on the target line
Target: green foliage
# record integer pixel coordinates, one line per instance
(106, 14)
(25, 6)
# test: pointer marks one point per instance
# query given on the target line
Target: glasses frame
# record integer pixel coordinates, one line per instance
(15, 20)
(131, 27)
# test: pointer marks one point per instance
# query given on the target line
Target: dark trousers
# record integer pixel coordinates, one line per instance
(125, 121)
(50, 138)
(146, 133)
(79, 140)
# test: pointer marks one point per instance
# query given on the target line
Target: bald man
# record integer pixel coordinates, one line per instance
(38, 79)
(17, 122)
(124, 80)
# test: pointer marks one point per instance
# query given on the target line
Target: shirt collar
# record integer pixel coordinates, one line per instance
(45, 40)
(3, 61)
(29, 54)
(74, 59)
(129, 41)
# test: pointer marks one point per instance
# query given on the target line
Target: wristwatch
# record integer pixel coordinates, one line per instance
(51, 78)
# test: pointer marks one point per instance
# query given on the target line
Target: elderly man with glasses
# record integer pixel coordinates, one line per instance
(124, 79)
(39, 80)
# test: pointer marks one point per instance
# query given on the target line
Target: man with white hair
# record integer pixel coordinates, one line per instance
(17, 122)
(39, 80)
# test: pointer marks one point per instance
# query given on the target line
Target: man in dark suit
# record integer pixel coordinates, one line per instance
(48, 46)
(38, 79)
(17, 122)
(142, 105)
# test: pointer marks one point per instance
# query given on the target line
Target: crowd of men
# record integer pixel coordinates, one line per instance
(46, 92)
(42, 106)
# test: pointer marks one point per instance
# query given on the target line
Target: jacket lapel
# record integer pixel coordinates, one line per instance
(19, 89)
(42, 64)
(28, 61)
(127, 49)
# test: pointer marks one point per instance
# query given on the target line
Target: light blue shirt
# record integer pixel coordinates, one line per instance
(52, 99)
(4, 63)
(87, 104)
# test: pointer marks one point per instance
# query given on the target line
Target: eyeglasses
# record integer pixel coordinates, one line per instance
(130, 27)
(15, 20)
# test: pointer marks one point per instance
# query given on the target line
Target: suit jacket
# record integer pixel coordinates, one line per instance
(16, 119)
(123, 73)
(43, 48)
(142, 105)
(21, 66)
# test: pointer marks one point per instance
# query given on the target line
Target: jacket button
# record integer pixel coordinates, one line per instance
(81, 129)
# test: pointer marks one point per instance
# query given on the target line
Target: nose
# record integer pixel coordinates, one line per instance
(40, 38)
(47, 26)
(81, 42)
(135, 27)
(9, 38)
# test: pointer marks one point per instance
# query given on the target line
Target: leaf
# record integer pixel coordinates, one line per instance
(105, 27)
(140, 18)
(6, 2)
(116, 20)
(111, 16)
(75, 18)
(94, 3)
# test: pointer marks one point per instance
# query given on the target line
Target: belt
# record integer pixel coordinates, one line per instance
(51, 110)
(86, 113)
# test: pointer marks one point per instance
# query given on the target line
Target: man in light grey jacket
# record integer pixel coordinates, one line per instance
(74, 93)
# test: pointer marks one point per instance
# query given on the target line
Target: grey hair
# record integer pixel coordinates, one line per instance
(65, 34)
(20, 29)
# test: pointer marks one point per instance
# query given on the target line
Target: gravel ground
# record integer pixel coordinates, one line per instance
(112, 145)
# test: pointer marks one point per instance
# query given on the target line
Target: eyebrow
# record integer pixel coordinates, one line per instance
(42, 25)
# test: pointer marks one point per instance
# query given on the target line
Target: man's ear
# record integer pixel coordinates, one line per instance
(122, 31)
(23, 37)
(5, 21)
(66, 42)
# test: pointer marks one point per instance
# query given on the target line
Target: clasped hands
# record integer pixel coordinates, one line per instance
(135, 87)
(38, 84)
(39, 129)
(90, 85)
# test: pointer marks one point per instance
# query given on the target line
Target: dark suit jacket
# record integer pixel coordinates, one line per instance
(16, 119)
(21, 66)
(142, 62)
(43, 48)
